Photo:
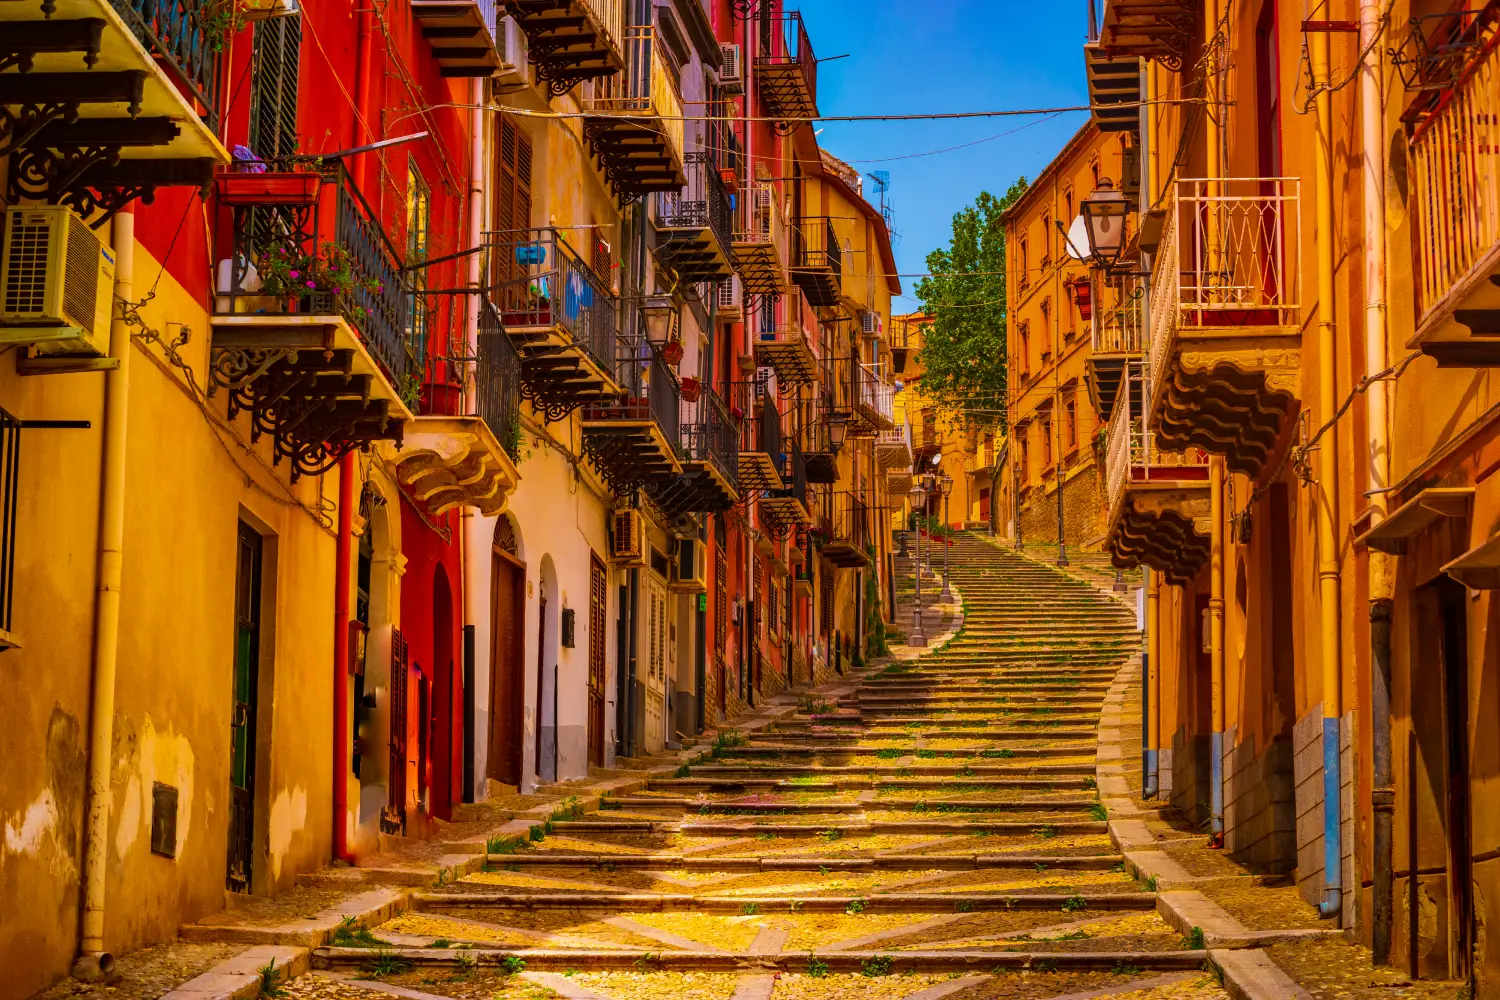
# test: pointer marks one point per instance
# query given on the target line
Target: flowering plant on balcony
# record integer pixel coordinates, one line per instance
(287, 270)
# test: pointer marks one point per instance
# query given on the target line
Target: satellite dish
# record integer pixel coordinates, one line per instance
(1078, 239)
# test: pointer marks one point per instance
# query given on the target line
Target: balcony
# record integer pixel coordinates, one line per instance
(1226, 334)
(1118, 335)
(709, 483)
(694, 226)
(1164, 30)
(760, 242)
(1113, 82)
(462, 34)
(874, 401)
(1158, 500)
(893, 448)
(818, 262)
(633, 440)
(633, 123)
(311, 316)
(111, 99)
(787, 71)
(1455, 203)
(560, 316)
(782, 346)
(785, 509)
(447, 462)
(846, 526)
(569, 41)
(761, 446)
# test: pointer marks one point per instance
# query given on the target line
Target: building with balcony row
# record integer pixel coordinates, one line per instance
(1293, 351)
(401, 408)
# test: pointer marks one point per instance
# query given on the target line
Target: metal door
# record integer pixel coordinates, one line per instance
(597, 626)
(242, 719)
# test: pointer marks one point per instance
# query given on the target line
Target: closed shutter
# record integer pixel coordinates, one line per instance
(276, 48)
(512, 208)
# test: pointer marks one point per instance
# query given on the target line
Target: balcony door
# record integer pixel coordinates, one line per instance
(597, 626)
(242, 722)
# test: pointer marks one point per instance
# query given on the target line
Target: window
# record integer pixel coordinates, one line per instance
(1046, 428)
(1070, 419)
(1023, 352)
(1023, 274)
(1048, 341)
(275, 50)
(1023, 454)
(1068, 204)
(1046, 239)
(418, 226)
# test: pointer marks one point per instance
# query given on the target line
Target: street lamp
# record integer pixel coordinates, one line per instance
(917, 638)
(660, 313)
(945, 487)
(1104, 214)
(838, 430)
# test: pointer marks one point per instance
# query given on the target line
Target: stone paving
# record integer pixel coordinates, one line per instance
(962, 821)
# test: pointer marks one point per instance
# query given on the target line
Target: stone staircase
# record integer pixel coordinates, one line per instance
(937, 819)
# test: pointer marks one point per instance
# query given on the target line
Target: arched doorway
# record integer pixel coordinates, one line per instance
(446, 703)
(507, 645)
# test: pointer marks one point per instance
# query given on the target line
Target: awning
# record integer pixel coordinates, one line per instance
(1416, 515)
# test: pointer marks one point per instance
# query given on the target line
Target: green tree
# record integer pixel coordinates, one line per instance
(963, 350)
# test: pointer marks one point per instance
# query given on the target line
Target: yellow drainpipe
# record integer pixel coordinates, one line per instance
(1327, 497)
(93, 962)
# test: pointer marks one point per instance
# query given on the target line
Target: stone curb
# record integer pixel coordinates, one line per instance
(703, 961)
(239, 977)
(893, 862)
(884, 903)
(1250, 974)
(1186, 909)
(369, 909)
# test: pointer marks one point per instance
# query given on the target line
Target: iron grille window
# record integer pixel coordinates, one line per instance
(276, 48)
(418, 225)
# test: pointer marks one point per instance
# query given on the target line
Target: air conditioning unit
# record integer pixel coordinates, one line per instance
(690, 569)
(732, 72)
(869, 323)
(627, 538)
(731, 298)
(57, 282)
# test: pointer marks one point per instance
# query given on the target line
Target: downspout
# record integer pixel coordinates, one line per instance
(94, 963)
(472, 544)
(1379, 568)
(628, 682)
(1151, 785)
(1216, 647)
(341, 736)
(1328, 467)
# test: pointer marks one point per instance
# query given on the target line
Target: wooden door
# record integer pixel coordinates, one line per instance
(1452, 604)
(398, 741)
(597, 626)
(541, 680)
(242, 721)
(656, 664)
(507, 673)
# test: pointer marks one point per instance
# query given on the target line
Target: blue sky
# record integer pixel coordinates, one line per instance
(938, 56)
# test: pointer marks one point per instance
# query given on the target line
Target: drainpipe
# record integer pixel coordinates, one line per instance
(1379, 568)
(472, 542)
(341, 737)
(1151, 786)
(628, 682)
(1328, 568)
(94, 963)
(1216, 647)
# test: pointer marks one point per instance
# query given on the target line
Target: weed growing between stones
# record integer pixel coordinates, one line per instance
(1195, 940)
(350, 933)
(1074, 903)
(513, 965)
(876, 965)
(270, 980)
(816, 967)
(384, 964)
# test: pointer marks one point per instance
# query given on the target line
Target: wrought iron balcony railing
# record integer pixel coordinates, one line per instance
(1131, 453)
(1229, 257)
(703, 204)
(188, 37)
(786, 66)
(497, 380)
(759, 419)
(1455, 187)
(538, 282)
(311, 244)
(711, 435)
(1118, 321)
(634, 120)
(648, 391)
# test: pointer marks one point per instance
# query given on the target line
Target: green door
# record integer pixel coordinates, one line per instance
(242, 718)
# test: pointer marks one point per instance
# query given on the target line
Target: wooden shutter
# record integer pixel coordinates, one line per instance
(276, 48)
(396, 780)
(512, 207)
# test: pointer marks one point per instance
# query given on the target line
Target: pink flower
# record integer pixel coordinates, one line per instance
(296, 274)
(312, 284)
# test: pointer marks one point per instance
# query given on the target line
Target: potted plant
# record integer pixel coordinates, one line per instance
(691, 389)
(671, 352)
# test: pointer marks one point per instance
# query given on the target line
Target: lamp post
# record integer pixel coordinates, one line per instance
(945, 487)
(917, 638)
(1104, 213)
(838, 430)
